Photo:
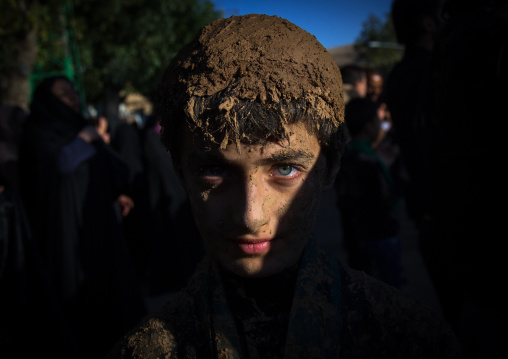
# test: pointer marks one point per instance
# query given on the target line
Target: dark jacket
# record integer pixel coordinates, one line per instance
(75, 224)
(366, 195)
(335, 312)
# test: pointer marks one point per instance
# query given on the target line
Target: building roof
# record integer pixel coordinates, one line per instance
(344, 55)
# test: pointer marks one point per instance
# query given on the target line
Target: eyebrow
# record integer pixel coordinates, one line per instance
(205, 157)
(282, 156)
(289, 155)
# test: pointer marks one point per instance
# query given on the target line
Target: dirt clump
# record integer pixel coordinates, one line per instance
(239, 69)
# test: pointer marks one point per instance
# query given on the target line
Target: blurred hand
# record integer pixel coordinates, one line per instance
(126, 204)
(383, 112)
(102, 129)
(386, 124)
(89, 134)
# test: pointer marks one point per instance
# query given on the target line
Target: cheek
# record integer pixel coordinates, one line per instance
(198, 198)
(300, 212)
(204, 214)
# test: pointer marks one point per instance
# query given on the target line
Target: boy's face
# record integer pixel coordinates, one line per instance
(255, 209)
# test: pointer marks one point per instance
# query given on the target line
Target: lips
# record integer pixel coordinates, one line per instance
(254, 246)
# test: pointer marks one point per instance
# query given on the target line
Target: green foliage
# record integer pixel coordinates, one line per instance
(114, 44)
(51, 37)
(16, 20)
(20, 20)
(377, 44)
(19, 17)
(127, 44)
(13, 19)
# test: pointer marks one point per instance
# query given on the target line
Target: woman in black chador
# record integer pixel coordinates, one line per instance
(70, 181)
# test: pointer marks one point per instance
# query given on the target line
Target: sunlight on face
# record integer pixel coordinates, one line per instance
(255, 207)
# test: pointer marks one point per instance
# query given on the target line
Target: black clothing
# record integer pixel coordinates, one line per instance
(261, 308)
(32, 320)
(404, 90)
(335, 312)
(74, 221)
(11, 127)
(366, 195)
(160, 228)
(465, 100)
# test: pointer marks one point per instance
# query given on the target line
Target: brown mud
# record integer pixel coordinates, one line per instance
(254, 58)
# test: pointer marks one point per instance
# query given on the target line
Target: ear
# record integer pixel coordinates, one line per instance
(333, 170)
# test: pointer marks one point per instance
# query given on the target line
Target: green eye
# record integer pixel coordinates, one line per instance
(286, 170)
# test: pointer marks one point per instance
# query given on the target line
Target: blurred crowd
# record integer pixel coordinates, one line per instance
(87, 224)
(91, 220)
(422, 134)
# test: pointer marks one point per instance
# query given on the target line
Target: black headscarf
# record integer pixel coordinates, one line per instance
(49, 113)
(50, 125)
(75, 224)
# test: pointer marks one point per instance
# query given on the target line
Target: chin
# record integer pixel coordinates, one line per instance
(254, 267)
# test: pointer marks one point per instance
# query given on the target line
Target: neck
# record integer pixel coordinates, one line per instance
(276, 290)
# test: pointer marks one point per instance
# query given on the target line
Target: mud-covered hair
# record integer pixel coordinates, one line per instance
(245, 79)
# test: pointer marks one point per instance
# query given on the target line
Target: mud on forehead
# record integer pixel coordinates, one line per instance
(249, 122)
(250, 136)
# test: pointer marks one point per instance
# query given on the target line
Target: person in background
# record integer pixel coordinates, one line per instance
(375, 92)
(11, 127)
(367, 196)
(461, 115)
(70, 181)
(417, 26)
(375, 84)
(354, 78)
(102, 127)
(252, 112)
(164, 256)
(29, 309)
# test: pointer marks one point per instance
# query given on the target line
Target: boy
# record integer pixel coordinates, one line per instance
(252, 113)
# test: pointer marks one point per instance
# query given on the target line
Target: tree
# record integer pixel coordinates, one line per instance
(127, 44)
(18, 28)
(377, 44)
(123, 44)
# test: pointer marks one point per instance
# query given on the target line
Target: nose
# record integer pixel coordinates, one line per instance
(252, 212)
